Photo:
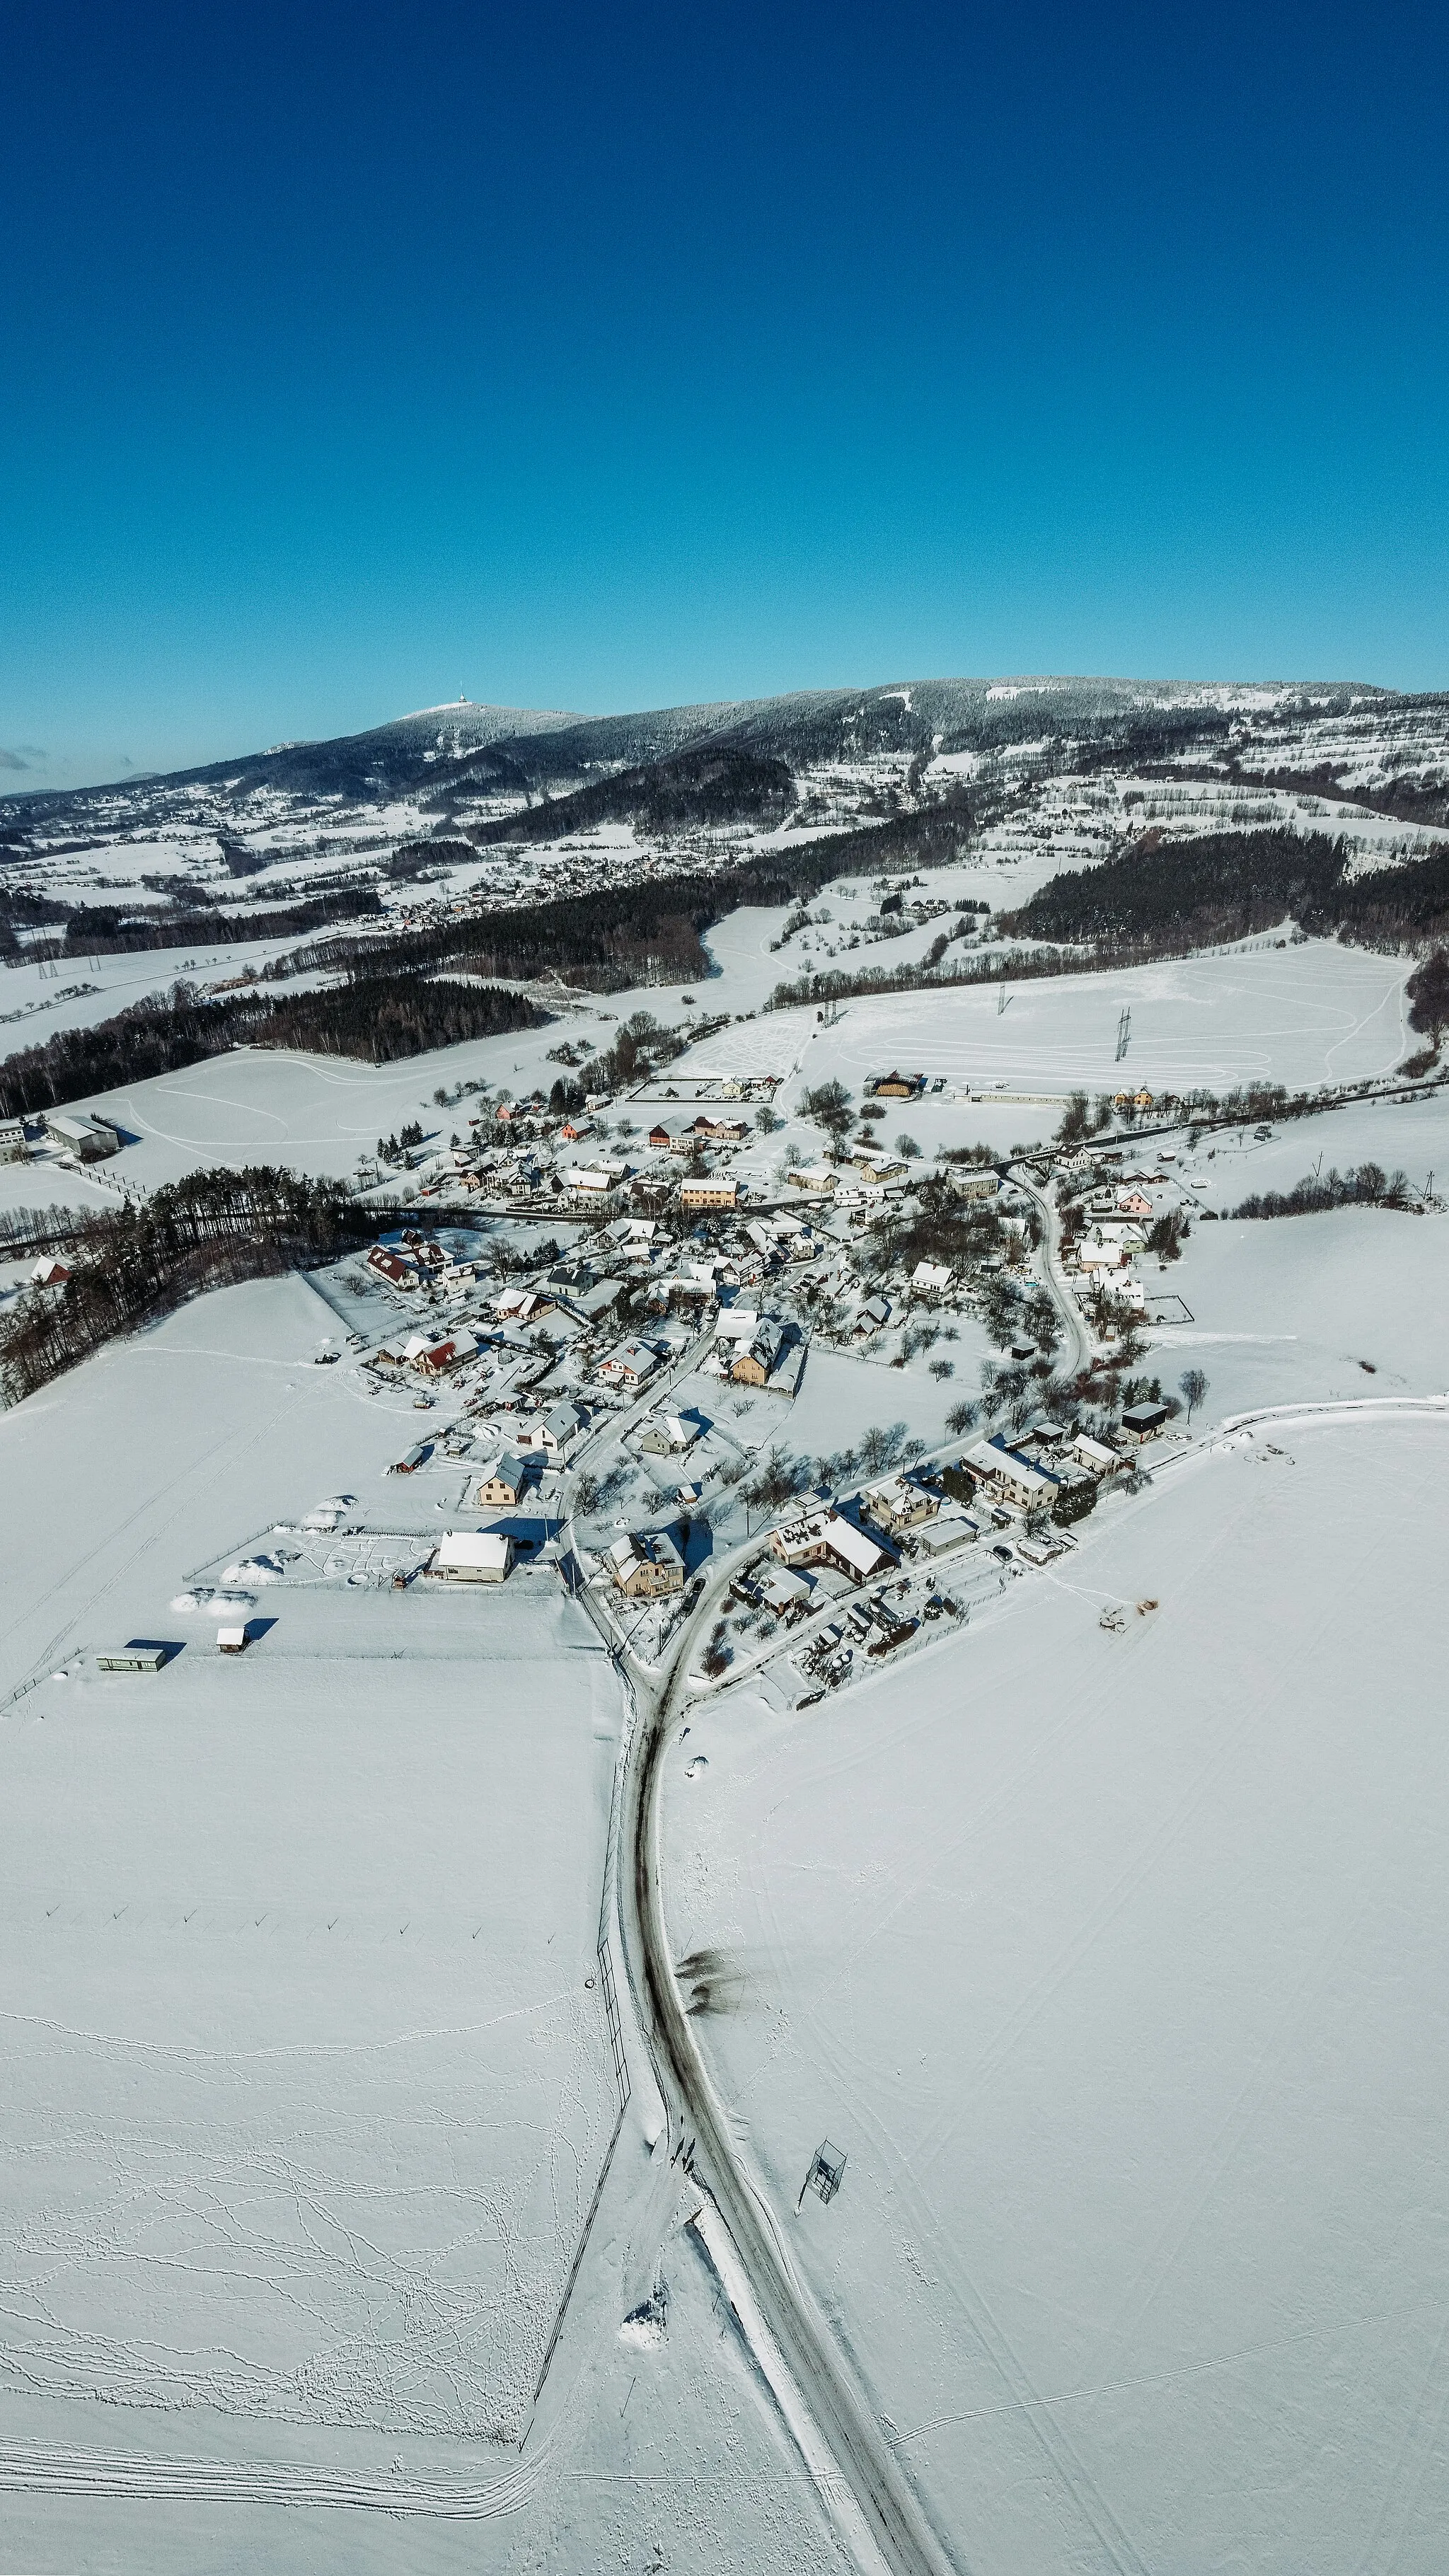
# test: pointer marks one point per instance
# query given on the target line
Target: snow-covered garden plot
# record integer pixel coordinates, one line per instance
(1112, 1961)
(308, 2087)
(842, 1396)
(1289, 1309)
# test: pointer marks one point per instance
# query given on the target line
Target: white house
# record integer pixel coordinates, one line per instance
(472, 1556)
(1095, 1456)
(1010, 1478)
(553, 1434)
(629, 1365)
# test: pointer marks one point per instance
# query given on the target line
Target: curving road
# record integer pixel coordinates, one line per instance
(699, 2121)
(1078, 1339)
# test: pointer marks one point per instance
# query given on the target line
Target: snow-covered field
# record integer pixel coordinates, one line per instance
(1319, 1013)
(308, 2093)
(1308, 1309)
(1110, 1960)
(34, 1005)
(1408, 1133)
(314, 1113)
(1315, 1014)
(1113, 1963)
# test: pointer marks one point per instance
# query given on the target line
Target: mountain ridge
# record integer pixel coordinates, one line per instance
(555, 742)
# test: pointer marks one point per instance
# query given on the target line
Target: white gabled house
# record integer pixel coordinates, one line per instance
(553, 1435)
(630, 1365)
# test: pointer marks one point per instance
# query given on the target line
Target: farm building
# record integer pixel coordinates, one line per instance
(896, 1086)
(92, 1140)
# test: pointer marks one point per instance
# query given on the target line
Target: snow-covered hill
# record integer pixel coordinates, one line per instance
(1045, 773)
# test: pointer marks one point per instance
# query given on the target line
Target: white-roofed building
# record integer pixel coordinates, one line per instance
(896, 1503)
(629, 1365)
(1095, 1456)
(1010, 1478)
(828, 1538)
(552, 1435)
(472, 1556)
(645, 1563)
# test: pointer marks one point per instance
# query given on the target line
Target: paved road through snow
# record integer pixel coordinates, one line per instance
(881, 2491)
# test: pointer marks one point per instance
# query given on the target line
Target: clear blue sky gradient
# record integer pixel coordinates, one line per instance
(615, 357)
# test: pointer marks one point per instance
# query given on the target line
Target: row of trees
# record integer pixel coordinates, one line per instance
(95, 930)
(375, 1019)
(1367, 1186)
(207, 1231)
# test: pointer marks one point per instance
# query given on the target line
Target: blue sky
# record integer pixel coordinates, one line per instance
(607, 358)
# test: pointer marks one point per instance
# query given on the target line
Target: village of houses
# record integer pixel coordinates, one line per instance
(596, 1367)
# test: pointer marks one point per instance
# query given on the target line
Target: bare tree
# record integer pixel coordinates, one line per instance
(1193, 1386)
